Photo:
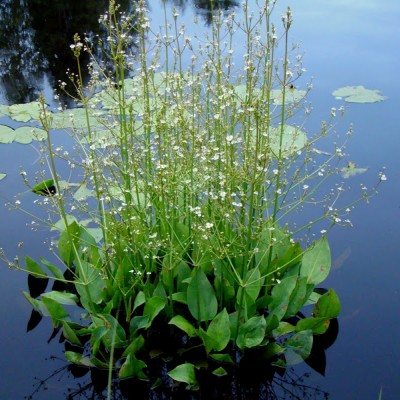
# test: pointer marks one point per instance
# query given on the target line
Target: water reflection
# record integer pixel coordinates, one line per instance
(35, 36)
(253, 376)
(205, 7)
(91, 384)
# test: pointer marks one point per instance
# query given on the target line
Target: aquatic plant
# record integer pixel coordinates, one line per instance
(175, 228)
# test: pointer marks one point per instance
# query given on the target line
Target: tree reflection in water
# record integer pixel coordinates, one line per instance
(35, 38)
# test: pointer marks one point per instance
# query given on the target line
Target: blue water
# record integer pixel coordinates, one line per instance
(344, 43)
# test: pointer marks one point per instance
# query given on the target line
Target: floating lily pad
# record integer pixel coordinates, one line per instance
(2, 176)
(294, 139)
(75, 118)
(241, 91)
(351, 170)
(25, 134)
(83, 193)
(358, 94)
(24, 112)
(3, 110)
(291, 96)
(7, 134)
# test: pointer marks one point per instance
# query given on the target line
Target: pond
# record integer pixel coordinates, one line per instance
(344, 44)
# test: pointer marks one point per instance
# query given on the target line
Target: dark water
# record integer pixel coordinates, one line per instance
(345, 43)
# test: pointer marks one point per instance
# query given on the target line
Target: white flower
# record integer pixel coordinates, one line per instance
(383, 177)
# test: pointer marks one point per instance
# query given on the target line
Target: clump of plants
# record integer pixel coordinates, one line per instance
(176, 209)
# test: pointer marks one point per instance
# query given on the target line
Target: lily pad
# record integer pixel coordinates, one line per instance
(75, 118)
(351, 170)
(7, 134)
(358, 94)
(291, 96)
(293, 140)
(24, 112)
(25, 134)
(241, 91)
(83, 193)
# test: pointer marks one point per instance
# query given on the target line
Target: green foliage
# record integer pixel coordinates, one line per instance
(177, 236)
(358, 94)
(184, 373)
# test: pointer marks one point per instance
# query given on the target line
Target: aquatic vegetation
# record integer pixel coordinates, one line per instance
(351, 169)
(358, 94)
(173, 215)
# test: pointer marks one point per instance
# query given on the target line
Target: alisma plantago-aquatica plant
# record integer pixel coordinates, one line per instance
(191, 170)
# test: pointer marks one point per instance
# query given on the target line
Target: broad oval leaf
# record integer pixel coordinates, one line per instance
(183, 324)
(316, 262)
(201, 298)
(328, 305)
(219, 330)
(132, 367)
(251, 333)
(358, 94)
(25, 134)
(184, 373)
(7, 134)
(298, 347)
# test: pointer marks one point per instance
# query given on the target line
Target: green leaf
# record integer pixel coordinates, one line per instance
(66, 246)
(317, 325)
(53, 269)
(153, 307)
(281, 296)
(25, 112)
(78, 359)
(2, 176)
(316, 262)
(25, 134)
(70, 334)
(292, 95)
(252, 284)
(201, 298)
(61, 297)
(184, 373)
(283, 329)
(56, 311)
(220, 372)
(83, 193)
(222, 358)
(184, 325)
(351, 170)
(115, 334)
(358, 94)
(293, 139)
(45, 188)
(219, 330)
(36, 304)
(251, 333)
(134, 346)
(139, 300)
(132, 368)
(89, 285)
(299, 296)
(298, 347)
(327, 306)
(34, 268)
(7, 134)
